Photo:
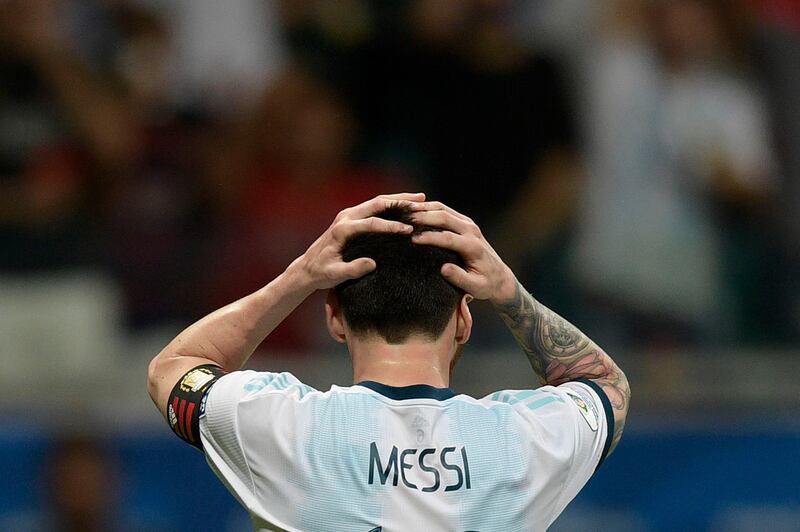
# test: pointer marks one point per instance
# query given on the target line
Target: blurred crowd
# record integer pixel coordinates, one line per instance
(635, 161)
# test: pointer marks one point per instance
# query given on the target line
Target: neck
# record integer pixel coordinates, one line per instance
(416, 361)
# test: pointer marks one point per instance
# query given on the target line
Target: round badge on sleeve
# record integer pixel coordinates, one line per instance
(587, 410)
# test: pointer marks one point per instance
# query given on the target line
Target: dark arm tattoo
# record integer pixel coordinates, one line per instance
(559, 352)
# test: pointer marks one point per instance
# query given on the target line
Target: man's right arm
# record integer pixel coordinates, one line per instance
(557, 350)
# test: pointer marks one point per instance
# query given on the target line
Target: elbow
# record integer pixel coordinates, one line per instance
(622, 385)
(625, 384)
(153, 377)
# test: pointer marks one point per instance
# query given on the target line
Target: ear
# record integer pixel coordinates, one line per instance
(334, 318)
(463, 320)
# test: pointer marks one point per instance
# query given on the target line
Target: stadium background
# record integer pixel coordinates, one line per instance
(635, 161)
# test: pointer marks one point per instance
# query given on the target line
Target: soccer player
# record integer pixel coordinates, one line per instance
(398, 450)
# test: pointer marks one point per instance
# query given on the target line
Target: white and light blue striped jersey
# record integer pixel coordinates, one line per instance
(372, 457)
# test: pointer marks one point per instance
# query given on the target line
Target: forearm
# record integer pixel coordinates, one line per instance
(559, 352)
(228, 336)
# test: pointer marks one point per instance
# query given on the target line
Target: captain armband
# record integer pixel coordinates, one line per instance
(187, 402)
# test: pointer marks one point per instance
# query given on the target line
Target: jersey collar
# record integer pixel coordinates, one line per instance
(415, 391)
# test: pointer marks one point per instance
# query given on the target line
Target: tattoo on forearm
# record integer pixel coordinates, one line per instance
(559, 352)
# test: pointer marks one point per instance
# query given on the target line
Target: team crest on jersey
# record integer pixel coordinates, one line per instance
(196, 379)
(587, 411)
(420, 426)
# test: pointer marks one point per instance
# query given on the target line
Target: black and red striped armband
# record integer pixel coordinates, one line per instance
(187, 402)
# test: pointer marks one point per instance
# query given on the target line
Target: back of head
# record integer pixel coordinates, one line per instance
(406, 294)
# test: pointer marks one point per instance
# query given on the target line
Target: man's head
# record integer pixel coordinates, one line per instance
(406, 295)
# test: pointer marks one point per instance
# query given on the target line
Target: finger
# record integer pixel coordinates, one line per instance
(459, 277)
(380, 203)
(443, 239)
(406, 196)
(345, 229)
(437, 206)
(353, 269)
(443, 220)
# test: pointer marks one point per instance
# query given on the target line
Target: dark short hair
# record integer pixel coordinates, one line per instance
(406, 293)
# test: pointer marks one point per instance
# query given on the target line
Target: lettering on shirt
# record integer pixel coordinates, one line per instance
(399, 461)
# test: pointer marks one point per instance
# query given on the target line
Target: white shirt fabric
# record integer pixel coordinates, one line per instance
(372, 457)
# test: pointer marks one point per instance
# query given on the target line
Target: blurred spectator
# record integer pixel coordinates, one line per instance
(226, 53)
(83, 485)
(56, 115)
(82, 488)
(563, 27)
(495, 121)
(128, 129)
(280, 181)
(95, 164)
(680, 157)
(487, 123)
(326, 36)
(778, 61)
(154, 205)
(444, 92)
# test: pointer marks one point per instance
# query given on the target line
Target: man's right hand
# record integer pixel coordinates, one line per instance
(323, 262)
(485, 275)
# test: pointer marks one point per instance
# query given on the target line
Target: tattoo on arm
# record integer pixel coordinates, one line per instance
(559, 352)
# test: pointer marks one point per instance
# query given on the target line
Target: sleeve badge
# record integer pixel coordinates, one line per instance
(587, 410)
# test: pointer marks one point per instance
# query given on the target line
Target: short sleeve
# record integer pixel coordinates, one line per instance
(592, 420)
(568, 429)
(592, 411)
(221, 423)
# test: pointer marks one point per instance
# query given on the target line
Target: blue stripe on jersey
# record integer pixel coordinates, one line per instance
(276, 381)
(332, 461)
(524, 394)
(498, 494)
(256, 384)
(533, 405)
(510, 397)
(282, 382)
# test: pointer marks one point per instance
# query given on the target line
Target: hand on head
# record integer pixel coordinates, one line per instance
(323, 261)
(485, 275)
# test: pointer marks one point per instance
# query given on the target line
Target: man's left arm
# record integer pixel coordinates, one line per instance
(227, 337)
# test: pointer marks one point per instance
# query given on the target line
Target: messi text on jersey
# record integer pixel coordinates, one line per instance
(450, 472)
